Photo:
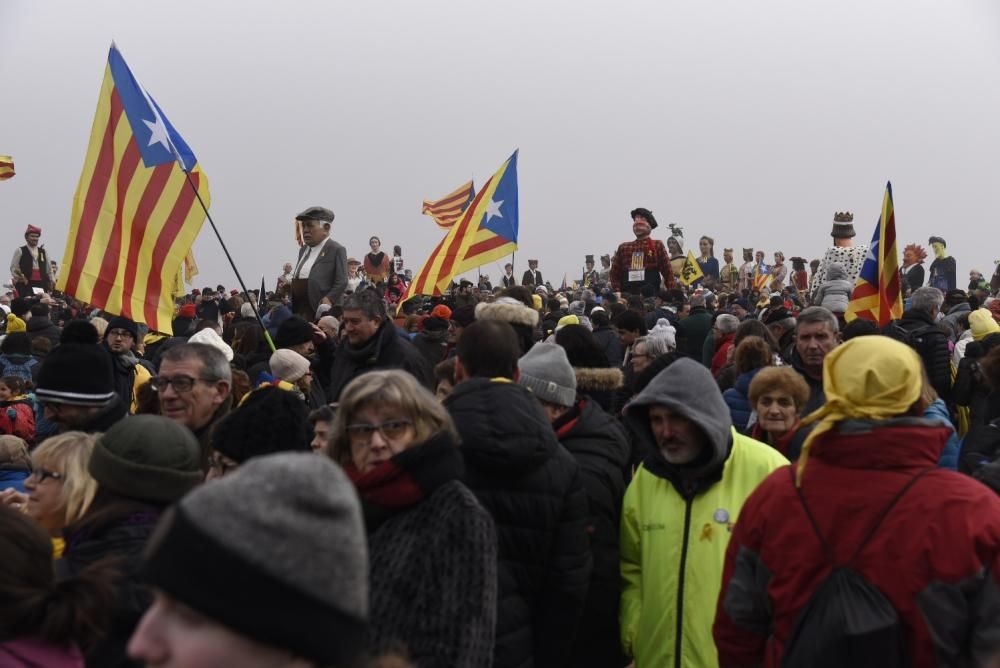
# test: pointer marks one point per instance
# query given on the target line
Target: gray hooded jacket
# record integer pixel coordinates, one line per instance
(685, 387)
(835, 293)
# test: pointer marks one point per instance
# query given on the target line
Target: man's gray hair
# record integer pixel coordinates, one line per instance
(727, 323)
(815, 314)
(215, 366)
(927, 299)
(787, 324)
(369, 302)
(697, 300)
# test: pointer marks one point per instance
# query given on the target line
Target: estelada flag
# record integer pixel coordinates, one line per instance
(486, 231)
(691, 271)
(135, 216)
(447, 210)
(877, 293)
(6, 167)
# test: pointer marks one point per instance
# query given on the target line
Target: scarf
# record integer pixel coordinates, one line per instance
(406, 479)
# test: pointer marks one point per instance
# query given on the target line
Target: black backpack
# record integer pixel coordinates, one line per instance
(915, 338)
(847, 621)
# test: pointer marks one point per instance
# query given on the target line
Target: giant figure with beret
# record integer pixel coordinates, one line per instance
(640, 264)
(30, 265)
(320, 274)
(942, 271)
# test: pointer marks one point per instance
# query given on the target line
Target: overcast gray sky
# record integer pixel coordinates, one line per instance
(748, 121)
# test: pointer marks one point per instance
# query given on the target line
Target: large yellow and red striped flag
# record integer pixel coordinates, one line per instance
(6, 167)
(877, 295)
(489, 226)
(134, 216)
(447, 210)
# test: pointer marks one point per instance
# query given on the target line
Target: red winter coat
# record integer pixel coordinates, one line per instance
(935, 557)
(721, 356)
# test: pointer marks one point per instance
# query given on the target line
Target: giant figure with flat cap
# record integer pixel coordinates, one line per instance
(320, 274)
(641, 263)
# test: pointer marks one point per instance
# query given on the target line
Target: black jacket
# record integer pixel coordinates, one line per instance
(432, 345)
(817, 396)
(607, 339)
(932, 347)
(121, 539)
(41, 326)
(385, 350)
(600, 446)
(533, 489)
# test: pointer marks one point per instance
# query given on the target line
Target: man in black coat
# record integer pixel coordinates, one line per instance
(533, 489)
(918, 328)
(372, 343)
(599, 445)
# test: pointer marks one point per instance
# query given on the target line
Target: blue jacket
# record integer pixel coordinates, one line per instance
(11, 478)
(737, 398)
(949, 456)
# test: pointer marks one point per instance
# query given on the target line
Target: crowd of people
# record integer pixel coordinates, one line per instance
(659, 465)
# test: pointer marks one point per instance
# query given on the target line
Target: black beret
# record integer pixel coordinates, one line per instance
(647, 214)
(316, 213)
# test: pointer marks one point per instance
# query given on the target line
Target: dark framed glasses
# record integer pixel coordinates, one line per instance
(361, 433)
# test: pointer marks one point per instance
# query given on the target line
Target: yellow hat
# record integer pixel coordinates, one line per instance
(867, 378)
(982, 324)
(536, 301)
(567, 320)
(15, 324)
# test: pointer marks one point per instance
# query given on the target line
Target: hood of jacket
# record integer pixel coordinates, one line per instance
(675, 387)
(502, 426)
(596, 379)
(594, 432)
(899, 443)
(836, 272)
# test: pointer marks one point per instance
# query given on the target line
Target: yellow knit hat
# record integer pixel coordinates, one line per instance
(15, 324)
(982, 324)
(867, 378)
(536, 301)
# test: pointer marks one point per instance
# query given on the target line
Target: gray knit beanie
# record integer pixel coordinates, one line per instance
(147, 457)
(275, 551)
(546, 371)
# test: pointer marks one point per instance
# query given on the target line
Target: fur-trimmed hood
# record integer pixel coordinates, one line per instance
(591, 379)
(509, 311)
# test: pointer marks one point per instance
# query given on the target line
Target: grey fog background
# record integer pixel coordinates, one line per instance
(748, 121)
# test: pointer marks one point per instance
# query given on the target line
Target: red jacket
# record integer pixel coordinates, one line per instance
(936, 557)
(721, 356)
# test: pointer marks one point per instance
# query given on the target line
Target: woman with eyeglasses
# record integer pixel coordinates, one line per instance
(432, 547)
(59, 490)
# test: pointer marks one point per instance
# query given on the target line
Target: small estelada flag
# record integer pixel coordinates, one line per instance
(6, 167)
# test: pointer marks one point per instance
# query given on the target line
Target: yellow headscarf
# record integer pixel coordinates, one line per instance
(867, 378)
(15, 324)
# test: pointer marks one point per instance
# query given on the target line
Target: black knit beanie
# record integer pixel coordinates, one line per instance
(269, 420)
(79, 331)
(292, 332)
(281, 534)
(147, 457)
(119, 322)
(77, 374)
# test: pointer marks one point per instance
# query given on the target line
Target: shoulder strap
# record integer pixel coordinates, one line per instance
(871, 532)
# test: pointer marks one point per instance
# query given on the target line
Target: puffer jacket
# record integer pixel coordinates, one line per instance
(599, 445)
(532, 488)
(607, 339)
(676, 522)
(949, 456)
(932, 348)
(943, 583)
(737, 398)
(835, 292)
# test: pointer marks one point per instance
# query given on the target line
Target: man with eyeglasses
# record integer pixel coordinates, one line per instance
(194, 386)
(129, 373)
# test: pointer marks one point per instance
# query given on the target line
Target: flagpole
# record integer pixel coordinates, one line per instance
(229, 257)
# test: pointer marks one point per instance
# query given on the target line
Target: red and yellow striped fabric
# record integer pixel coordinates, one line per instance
(133, 223)
(6, 167)
(877, 294)
(447, 210)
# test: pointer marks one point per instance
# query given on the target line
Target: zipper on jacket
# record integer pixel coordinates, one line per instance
(688, 502)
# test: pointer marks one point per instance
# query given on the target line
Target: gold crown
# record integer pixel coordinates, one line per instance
(843, 217)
